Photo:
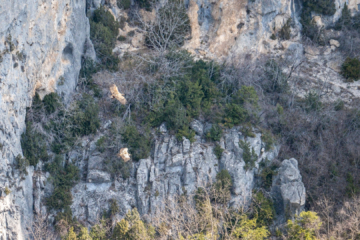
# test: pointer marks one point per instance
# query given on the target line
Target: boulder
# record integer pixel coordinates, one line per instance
(288, 191)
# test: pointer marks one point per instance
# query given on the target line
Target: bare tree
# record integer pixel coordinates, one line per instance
(40, 229)
(168, 28)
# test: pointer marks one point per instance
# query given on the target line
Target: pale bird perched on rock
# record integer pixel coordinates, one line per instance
(124, 154)
(115, 94)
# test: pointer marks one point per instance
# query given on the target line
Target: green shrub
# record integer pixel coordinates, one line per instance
(21, 164)
(132, 227)
(191, 95)
(51, 103)
(222, 186)
(85, 119)
(104, 30)
(100, 144)
(268, 139)
(244, 102)
(285, 31)
(215, 133)
(63, 179)
(131, 33)
(247, 130)
(345, 20)
(224, 178)
(352, 188)
(218, 151)
(249, 156)
(116, 166)
(124, 4)
(246, 95)
(263, 209)
(187, 133)
(7, 191)
(324, 7)
(304, 226)
(351, 69)
(114, 207)
(267, 173)
(145, 4)
(312, 101)
(33, 145)
(121, 38)
(172, 112)
(235, 115)
(139, 144)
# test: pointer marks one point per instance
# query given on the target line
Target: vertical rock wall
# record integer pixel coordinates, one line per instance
(41, 44)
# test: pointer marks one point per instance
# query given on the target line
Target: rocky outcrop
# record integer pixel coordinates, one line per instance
(41, 44)
(175, 167)
(288, 191)
(223, 29)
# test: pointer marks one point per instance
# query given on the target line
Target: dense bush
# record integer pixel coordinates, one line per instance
(262, 209)
(51, 103)
(312, 101)
(132, 227)
(324, 7)
(285, 31)
(304, 226)
(124, 4)
(218, 151)
(249, 155)
(144, 4)
(187, 133)
(268, 139)
(345, 19)
(86, 118)
(33, 145)
(215, 133)
(267, 173)
(63, 178)
(138, 144)
(104, 30)
(350, 69)
(21, 164)
(242, 107)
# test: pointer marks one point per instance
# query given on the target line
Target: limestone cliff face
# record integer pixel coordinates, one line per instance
(41, 44)
(227, 28)
(174, 168)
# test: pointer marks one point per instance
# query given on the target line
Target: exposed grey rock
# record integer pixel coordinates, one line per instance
(45, 41)
(163, 128)
(288, 191)
(197, 126)
(97, 176)
(174, 168)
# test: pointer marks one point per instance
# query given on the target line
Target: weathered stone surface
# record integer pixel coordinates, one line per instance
(288, 190)
(175, 167)
(334, 42)
(97, 176)
(197, 126)
(41, 44)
